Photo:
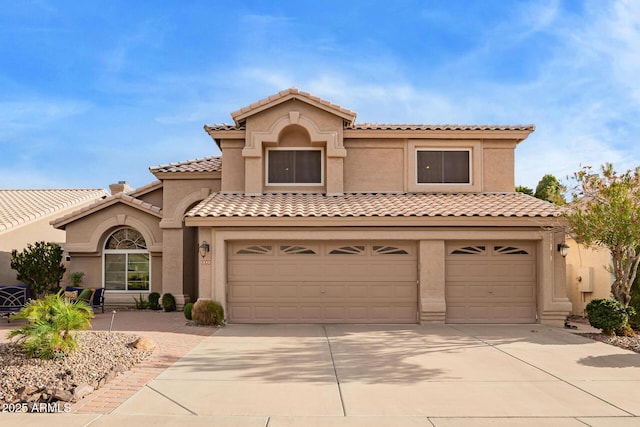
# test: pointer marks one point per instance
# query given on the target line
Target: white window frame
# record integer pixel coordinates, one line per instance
(289, 184)
(126, 252)
(415, 170)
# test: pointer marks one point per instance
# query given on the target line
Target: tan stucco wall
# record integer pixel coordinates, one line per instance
(374, 165)
(587, 277)
(31, 232)
(153, 197)
(498, 168)
(233, 169)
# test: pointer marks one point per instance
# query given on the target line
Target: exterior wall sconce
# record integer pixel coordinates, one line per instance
(203, 248)
(563, 248)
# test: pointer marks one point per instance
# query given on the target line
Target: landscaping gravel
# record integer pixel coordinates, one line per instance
(100, 357)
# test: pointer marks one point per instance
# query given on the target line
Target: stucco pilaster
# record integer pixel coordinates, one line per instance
(335, 176)
(553, 303)
(432, 281)
(173, 264)
(205, 264)
(253, 175)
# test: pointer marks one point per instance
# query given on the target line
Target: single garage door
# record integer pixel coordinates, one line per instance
(319, 282)
(491, 282)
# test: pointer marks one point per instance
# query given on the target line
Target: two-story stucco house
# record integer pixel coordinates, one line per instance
(308, 217)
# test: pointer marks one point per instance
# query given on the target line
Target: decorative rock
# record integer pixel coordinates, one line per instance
(81, 391)
(143, 344)
(64, 395)
(25, 391)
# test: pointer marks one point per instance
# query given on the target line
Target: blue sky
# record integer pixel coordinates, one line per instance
(93, 92)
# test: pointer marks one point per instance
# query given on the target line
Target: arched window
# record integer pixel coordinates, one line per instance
(126, 261)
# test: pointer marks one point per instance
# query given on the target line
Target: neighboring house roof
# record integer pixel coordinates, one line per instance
(18, 207)
(206, 164)
(111, 200)
(374, 205)
(285, 95)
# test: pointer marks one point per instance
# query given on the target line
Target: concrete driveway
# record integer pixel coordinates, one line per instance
(351, 375)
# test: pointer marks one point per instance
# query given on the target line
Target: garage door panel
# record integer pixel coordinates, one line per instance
(352, 287)
(490, 282)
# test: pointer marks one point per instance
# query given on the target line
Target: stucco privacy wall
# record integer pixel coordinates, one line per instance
(587, 275)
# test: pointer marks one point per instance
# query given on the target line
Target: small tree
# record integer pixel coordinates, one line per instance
(39, 266)
(605, 212)
(525, 190)
(549, 189)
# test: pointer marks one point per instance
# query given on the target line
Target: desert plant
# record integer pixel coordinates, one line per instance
(168, 302)
(154, 301)
(39, 266)
(207, 312)
(140, 303)
(50, 322)
(608, 314)
(187, 310)
(76, 278)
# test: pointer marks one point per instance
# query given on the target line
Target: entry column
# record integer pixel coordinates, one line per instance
(433, 306)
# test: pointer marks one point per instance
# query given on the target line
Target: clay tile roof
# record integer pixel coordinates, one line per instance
(119, 197)
(285, 94)
(374, 205)
(223, 127)
(207, 164)
(449, 127)
(18, 207)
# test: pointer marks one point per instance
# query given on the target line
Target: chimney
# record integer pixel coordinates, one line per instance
(120, 187)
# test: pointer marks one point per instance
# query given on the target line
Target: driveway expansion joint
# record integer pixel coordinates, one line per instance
(335, 371)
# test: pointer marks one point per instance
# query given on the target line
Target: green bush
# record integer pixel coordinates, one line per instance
(168, 302)
(50, 320)
(140, 303)
(40, 267)
(608, 314)
(154, 301)
(188, 308)
(207, 312)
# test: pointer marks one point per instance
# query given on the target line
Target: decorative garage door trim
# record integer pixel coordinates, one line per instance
(322, 282)
(491, 282)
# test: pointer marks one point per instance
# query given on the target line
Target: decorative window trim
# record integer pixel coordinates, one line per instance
(348, 250)
(470, 171)
(469, 250)
(285, 184)
(388, 250)
(509, 250)
(255, 250)
(297, 250)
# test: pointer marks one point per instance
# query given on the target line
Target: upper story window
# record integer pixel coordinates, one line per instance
(299, 166)
(443, 166)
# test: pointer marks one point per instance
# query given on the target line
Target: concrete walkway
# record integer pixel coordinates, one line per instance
(381, 375)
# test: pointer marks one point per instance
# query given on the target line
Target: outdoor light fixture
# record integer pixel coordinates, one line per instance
(563, 248)
(204, 248)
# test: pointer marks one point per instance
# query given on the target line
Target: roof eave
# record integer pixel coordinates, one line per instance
(187, 175)
(518, 135)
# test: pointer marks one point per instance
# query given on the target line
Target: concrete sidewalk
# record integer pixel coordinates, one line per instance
(380, 375)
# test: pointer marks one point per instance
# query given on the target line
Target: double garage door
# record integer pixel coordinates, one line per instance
(364, 282)
(319, 282)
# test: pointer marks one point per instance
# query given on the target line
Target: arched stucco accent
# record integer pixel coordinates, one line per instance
(181, 208)
(330, 138)
(153, 245)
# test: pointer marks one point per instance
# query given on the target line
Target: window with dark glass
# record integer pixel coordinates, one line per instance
(443, 167)
(294, 167)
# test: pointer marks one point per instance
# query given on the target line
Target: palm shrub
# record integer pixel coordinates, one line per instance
(207, 312)
(187, 310)
(168, 302)
(50, 322)
(609, 315)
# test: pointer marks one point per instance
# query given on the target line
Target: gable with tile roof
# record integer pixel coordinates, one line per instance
(316, 218)
(25, 215)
